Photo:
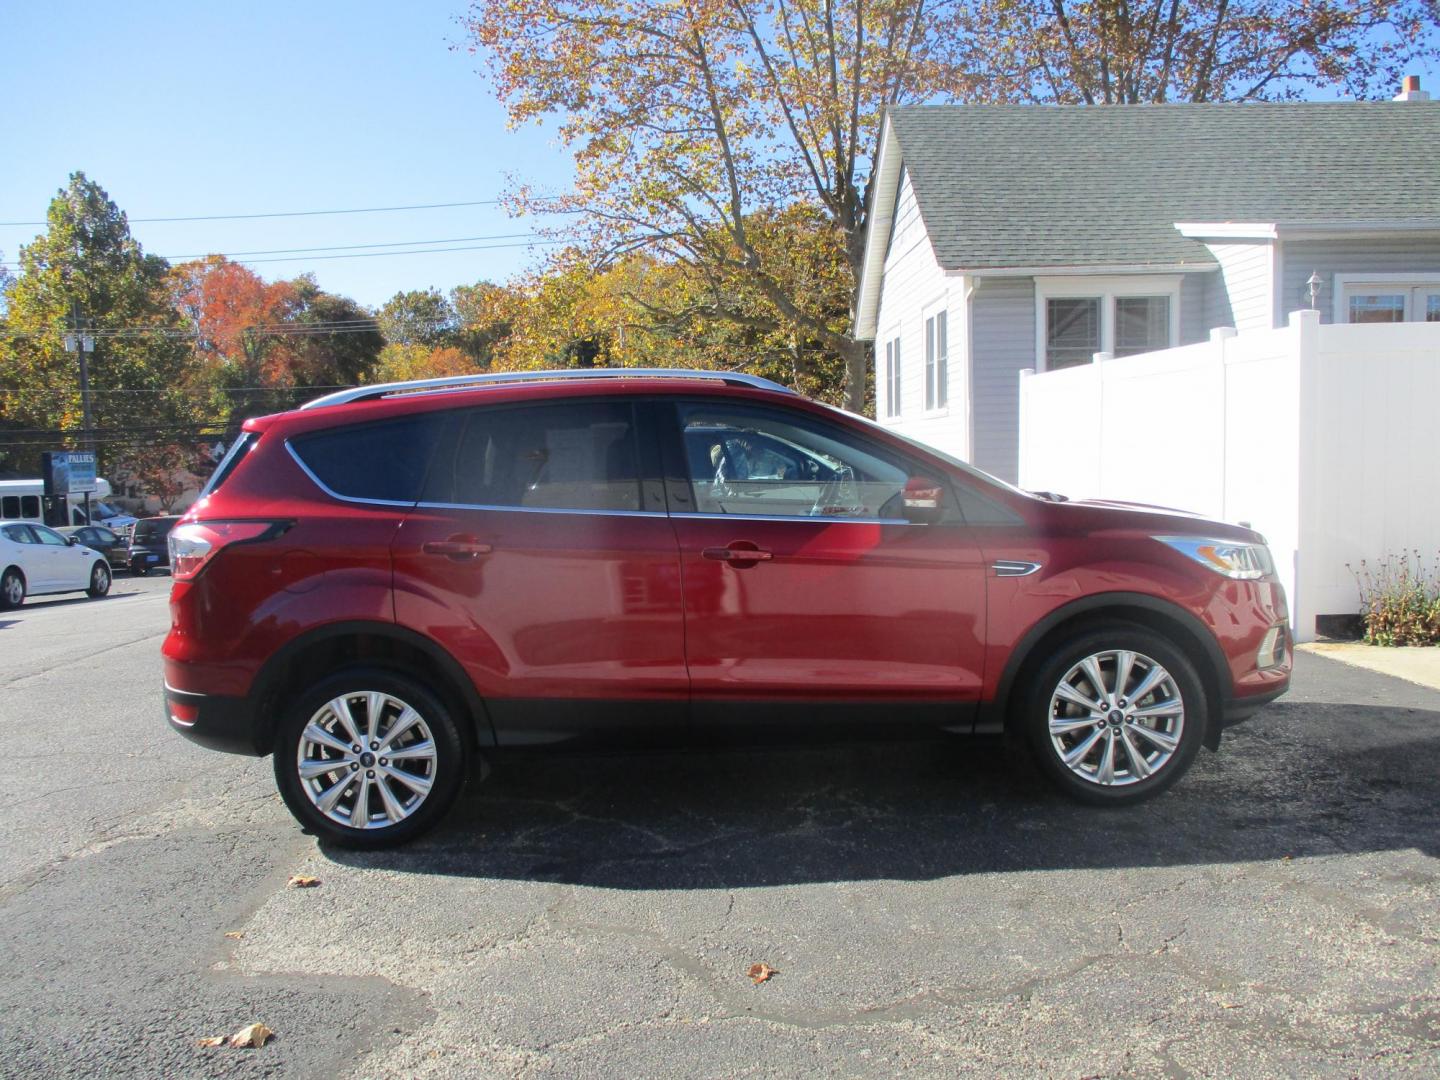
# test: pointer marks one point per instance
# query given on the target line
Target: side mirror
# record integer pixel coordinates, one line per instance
(923, 500)
(73, 541)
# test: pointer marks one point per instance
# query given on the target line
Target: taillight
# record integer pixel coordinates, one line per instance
(195, 544)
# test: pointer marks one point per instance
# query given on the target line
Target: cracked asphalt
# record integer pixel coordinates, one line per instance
(929, 909)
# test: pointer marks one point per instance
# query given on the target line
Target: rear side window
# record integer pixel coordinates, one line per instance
(577, 455)
(382, 462)
(236, 454)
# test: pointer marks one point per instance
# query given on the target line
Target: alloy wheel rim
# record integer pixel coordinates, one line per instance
(14, 591)
(1116, 718)
(366, 760)
(100, 579)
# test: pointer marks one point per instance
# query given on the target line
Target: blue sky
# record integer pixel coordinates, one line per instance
(193, 109)
(184, 109)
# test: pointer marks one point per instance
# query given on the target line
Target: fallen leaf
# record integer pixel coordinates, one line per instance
(300, 881)
(235, 934)
(251, 1035)
(761, 973)
(1231, 1005)
(212, 1040)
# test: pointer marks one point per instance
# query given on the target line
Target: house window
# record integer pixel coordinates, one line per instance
(1387, 299)
(1079, 316)
(1072, 331)
(937, 365)
(1142, 324)
(892, 377)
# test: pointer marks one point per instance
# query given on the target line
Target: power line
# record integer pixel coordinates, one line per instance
(366, 254)
(356, 247)
(285, 213)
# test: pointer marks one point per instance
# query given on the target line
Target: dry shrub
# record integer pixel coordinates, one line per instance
(1399, 600)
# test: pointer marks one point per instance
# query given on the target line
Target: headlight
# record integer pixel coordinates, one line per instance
(1234, 559)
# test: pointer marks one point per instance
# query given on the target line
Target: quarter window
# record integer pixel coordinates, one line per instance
(383, 462)
(572, 456)
(764, 463)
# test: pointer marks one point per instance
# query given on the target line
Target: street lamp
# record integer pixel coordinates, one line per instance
(1314, 286)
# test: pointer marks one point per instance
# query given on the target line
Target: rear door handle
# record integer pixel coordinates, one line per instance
(734, 554)
(459, 548)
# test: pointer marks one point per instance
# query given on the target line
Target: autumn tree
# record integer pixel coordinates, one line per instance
(87, 273)
(482, 314)
(689, 118)
(333, 340)
(1134, 51)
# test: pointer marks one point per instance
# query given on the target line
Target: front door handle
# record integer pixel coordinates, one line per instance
(740, 553)
(459, 548)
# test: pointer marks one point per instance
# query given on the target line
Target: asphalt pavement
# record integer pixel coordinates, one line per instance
(926, 908)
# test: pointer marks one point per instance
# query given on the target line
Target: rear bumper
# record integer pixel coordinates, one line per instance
(215, 722)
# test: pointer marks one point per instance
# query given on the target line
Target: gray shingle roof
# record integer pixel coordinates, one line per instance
(1015, 185)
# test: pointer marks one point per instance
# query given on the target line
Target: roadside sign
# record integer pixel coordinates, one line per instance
(68, 472)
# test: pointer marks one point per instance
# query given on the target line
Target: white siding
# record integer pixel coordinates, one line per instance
(1246, 268)
(914, 285)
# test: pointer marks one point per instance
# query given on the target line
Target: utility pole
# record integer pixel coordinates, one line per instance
(82, 344)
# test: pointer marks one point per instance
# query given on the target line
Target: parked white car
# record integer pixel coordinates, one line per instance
(36, 559)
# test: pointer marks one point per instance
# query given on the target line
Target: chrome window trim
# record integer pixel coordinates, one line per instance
(408, 503)
(537, 510)
(816, 520)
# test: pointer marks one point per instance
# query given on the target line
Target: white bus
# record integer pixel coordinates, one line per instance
(23, 500)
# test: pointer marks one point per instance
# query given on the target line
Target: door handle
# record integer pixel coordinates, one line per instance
(736, 554)
(458, 548)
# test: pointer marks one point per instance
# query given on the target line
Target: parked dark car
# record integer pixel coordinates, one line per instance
(149, 544)
(382, 585)
(107, 542)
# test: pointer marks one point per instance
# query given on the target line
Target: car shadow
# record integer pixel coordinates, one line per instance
(1301, 779)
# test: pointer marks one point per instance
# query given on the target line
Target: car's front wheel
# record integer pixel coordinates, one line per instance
(368, 758)
(1115, 715)
(99, 580)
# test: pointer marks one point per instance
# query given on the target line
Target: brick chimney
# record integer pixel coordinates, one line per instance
(1410, 90)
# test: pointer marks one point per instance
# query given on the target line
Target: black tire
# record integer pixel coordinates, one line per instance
(446, 772)
(99, 580)
(12, 589)
(138, 569)
(1128, 782)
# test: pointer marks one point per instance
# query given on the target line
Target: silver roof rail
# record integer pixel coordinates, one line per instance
(366, 393)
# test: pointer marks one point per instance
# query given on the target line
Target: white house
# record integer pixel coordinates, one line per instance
(1005, 238)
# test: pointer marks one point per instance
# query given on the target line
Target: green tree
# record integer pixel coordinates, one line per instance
(418, 317)
(336, 341)
(86, 271)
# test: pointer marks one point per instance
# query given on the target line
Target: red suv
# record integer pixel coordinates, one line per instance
(381, 585)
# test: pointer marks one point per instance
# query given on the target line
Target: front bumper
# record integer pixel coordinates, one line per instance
(215, 722)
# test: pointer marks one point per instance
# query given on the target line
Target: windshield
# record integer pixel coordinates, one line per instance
(153, 530)
(105, 510)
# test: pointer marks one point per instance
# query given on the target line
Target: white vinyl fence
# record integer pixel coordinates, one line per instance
(1324, 438)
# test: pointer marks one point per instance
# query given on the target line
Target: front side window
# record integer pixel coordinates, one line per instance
(936, 361)
(762, 462)
(578, 455)
(1072, 331)
(48, 536)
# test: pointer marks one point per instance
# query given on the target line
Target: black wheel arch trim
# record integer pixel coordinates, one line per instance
(993, 715)
(267, 681)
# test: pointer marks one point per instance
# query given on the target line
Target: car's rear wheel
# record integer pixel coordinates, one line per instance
(99, 580)
(368, 758)
(1115, 715)
(12, 588)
